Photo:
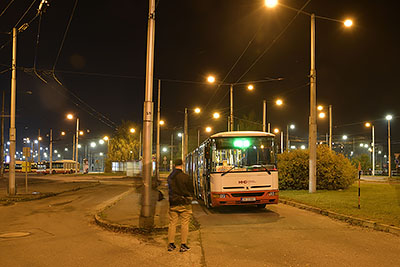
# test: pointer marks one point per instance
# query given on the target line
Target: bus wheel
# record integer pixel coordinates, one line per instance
(261, 206)
(53, 172)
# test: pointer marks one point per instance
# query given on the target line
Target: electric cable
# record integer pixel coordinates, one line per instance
(29, 8)
(273, 41)
(36, 50)
(62, 42)
(7, 6)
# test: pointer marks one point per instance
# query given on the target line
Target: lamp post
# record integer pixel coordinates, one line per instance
(278, 102)
(292, 126)
(373, 145)
(312, 130)
(70, 117)
(389, 118)
(322, 115)
(185, 137)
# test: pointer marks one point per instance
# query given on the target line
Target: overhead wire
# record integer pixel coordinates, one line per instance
(36, 50)
(234, 64)
(62, 42)
(7, 6)
(26, 12)
(273, 41)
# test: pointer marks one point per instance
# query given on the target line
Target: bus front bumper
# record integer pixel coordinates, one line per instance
(244, 198)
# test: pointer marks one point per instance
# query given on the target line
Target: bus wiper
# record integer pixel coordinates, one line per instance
(261, 166)
(228, 171)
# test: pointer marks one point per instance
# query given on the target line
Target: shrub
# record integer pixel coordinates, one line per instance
(334, 171)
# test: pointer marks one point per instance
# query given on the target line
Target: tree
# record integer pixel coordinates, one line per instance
(124, 145)
(364, 160)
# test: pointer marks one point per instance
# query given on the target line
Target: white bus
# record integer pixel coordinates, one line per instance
(235, 168)
(58, 166)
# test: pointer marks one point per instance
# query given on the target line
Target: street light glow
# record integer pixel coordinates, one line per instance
(162, 122)
(208, 129)
(389, 117)
(106, 138)
(216, 115)
(276, 130)
(197, 110)
(322, 115)
(250, 87)
(367, 124)
(279, 102)
(80, 132)
(211, 79)
(292, 126)
(62, 133)
(344, 137)
(320, 107)
(164, 149)
(132, 130)
(101, 142)
(271, 3)
(179, 134)
(348, 23)
(70, 116)
(93, 144)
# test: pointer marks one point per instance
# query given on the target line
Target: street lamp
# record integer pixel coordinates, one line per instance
(367, 124)
(322, 115)
(278, 102)
(70, 117)
(292, 127)
(208, 129)
(312, 132)
(389, 118)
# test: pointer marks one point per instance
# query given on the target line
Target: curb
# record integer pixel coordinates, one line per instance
(116, 227)
(346, 218)
(10, 201)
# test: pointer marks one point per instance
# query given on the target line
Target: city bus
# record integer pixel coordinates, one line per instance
(58, 166)
(235, 168)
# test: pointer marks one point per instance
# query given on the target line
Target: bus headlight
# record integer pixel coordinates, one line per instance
(219, 195)
(271, 193)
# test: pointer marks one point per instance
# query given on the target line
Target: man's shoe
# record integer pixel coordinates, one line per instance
(184, 248)
(171, 246)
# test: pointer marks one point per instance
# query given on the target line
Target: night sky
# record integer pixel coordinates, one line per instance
(102, 64)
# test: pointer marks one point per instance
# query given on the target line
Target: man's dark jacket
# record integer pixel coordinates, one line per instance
(180, 188)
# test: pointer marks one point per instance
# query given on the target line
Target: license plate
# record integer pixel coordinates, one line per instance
(246, 199)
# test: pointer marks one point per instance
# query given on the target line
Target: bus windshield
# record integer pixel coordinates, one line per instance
(243, 154)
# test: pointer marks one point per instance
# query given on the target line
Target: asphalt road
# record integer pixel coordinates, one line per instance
(282, 235)
(61, 232)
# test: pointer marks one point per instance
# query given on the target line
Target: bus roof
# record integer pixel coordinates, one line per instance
(241, 133)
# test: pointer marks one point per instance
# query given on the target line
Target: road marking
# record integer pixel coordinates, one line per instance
(14, 234)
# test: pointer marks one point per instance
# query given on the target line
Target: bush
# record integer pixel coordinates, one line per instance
(334, 171)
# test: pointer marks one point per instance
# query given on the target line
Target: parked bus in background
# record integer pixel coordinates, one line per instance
(235, 168)
(58, 166)
(20, 166)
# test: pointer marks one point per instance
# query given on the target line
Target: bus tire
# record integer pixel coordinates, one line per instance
(261, 206)
(53, 172)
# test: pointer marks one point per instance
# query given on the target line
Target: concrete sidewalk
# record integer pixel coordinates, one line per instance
(123, 213)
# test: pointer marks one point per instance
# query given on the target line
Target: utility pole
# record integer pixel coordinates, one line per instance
(2, 139)
(264, 115)
(11, 178)
(389, 152)
(185, 138)
(312, 131)
(231, 108)
(373, 150)
(287, 138)
(76, 146)
(148, 120)
(330, 127)
(73, 147)
(158, 133)
(38, 146)
(51, 151)
(172, 152)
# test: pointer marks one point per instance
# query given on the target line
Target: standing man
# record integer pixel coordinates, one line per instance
(180, 189)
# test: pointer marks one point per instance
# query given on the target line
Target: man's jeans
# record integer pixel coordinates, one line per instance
(185, 212)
